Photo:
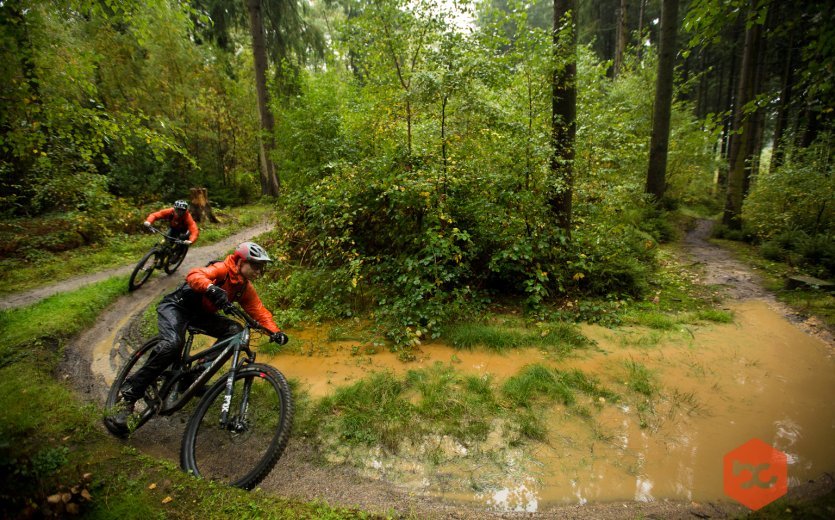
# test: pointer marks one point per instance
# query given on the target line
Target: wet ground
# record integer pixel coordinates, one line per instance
(719, 385)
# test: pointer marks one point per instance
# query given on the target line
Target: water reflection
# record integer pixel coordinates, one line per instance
(717, 389)
(521, 498)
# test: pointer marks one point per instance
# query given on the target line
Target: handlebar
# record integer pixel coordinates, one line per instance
(154, 230)
(234, 310)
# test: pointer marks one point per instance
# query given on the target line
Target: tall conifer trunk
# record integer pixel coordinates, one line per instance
(563, 115)
(659, 142)
(269, 180)
(742, 127)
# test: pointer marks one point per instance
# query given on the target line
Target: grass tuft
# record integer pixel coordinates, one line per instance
(640, 379)
(557, 337)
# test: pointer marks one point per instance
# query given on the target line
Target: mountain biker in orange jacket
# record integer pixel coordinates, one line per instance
(182, 225)
(196, 302)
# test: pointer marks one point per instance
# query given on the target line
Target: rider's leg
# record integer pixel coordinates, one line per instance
(172, 320)
(216, 325)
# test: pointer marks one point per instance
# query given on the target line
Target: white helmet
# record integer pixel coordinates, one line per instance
(252, 252)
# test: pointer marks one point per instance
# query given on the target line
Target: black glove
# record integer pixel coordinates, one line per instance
(217, 296)
(279, 337)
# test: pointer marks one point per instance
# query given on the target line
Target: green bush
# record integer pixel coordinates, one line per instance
(796, 200)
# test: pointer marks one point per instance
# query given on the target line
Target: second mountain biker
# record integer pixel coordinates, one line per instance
(207, 290)
(182, 225)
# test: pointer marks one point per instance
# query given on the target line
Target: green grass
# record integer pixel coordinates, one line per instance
(388, 411)
(49, 440)
(640, 379)
(538, 384)
(54, 319)
(19, 275)
(557, 337)
(715, 316)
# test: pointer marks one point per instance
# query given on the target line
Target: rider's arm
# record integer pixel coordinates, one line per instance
(200, 278)
(253, 306)
(163, 214)
(192, 228)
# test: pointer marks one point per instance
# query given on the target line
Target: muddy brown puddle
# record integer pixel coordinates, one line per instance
(719, 386)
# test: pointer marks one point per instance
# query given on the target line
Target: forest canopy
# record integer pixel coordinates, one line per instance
(411, 147)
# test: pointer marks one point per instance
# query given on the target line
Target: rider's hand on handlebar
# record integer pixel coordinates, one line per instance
(186, 242)
(146, 224)
(279, 338)
(217, 296)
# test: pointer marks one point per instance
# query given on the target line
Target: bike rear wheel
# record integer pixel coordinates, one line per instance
(175, 258)
(260, 418)
(147, 406)
(142, 271)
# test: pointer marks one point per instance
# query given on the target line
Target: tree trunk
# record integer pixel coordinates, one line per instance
(641, 30)
(620, 39)
(563, 117)
(656, 174)
(742, 129)
(269, 183)
(783, 110)
(199, 205)
(757, 118)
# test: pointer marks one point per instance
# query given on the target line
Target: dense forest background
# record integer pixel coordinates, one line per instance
(427, 156)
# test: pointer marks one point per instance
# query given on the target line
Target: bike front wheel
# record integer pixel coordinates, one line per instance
(175, 258)
(142, 271)
(245, 449)
(146, 407)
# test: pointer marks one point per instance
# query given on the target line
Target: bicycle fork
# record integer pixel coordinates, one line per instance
(239, 422)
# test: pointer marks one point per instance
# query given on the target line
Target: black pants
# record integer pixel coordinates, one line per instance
(174, 314)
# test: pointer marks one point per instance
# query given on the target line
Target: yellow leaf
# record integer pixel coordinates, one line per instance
(167, 500)
(578, 276)
(153, 485)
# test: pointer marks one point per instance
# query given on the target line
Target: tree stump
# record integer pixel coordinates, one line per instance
(199, 206)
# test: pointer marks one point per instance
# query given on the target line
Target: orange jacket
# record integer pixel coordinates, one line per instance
(179, 223)
(226, 276)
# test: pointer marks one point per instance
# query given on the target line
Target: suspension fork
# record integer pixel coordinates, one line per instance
(227, 398)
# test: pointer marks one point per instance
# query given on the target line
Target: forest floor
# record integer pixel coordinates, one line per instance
(301, 476)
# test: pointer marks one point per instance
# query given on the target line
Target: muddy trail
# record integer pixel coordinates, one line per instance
(197, 255)
(740, 282)
(597, 485)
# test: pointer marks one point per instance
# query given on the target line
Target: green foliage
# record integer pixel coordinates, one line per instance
(425, 236)
(135, 109)
(790, 208)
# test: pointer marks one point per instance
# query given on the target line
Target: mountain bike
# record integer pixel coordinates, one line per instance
(168, 253)
(240, 426)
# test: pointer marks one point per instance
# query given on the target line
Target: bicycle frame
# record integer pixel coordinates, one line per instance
(231, 347)
(164, 246)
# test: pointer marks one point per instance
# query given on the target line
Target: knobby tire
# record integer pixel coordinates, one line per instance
(147, 406)
(172, 262)
(142, 271)
(244, 454)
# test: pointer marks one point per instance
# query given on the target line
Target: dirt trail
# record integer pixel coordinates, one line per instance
(298, 475)
(197, 255)
(740, 282)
